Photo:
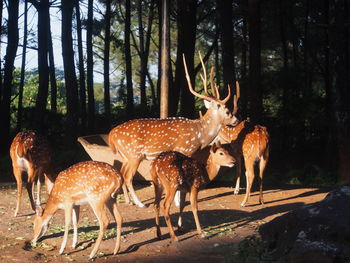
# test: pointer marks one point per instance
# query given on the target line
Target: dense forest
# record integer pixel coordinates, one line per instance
(291, 59)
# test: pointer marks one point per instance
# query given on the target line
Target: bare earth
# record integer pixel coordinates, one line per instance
(220, 214)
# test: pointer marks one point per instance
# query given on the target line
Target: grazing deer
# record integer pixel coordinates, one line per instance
(174, 172)
(92, 182)
(252, 142)
(142, 139)
(30, 153)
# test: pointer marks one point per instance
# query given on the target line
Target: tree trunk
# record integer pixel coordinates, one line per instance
(107, 41)
(82, 86)
(90, 69)
(227, 49)
(165, 49)
(52, 69)
(128, 66)
(69, 72)
(43, 67)
(21, 82)
(1, 86)
(339, 79)
(11, 51)
(243, 83)
(186, 22)
(255, 95)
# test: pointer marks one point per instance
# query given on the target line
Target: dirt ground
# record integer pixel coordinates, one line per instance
(223, 220)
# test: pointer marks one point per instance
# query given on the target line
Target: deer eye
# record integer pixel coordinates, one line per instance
(221, 153)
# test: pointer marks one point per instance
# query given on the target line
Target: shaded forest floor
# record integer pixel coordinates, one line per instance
(220, 214)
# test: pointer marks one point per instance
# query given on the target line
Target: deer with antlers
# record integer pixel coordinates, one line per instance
(172, 171)
(92, 182)
(142, 139)
(31, 154)
(250, 142)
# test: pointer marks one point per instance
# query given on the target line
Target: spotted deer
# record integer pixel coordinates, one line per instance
(252, 143)
(31, 154)
(91, 182)
(173, 171)
(141, 139)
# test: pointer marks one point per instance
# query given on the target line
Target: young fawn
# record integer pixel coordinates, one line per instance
(252, 142)
(31, 154)
(95, 183)
(177, 172)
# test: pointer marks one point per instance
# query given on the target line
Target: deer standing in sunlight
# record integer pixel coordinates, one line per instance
(31, 154)
(91, 182)
(172, 171)
(141, 139)
(250, 142)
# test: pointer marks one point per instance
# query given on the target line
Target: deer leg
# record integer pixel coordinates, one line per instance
(103, 222)
(169, 198)
(113, 209)
(130, 172)
(182, 199)
(38, 189)
(123, 170)
(158, 191)
(68, 219)
(238, 176)
(194, 205)
(75, 219)
(18, 175)
(249, 178)
(262, 166)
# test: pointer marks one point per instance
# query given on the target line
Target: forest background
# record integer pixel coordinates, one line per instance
(291, 59)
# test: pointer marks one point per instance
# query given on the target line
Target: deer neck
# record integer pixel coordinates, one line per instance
(212, 169)
(230, 133)
(210, 126)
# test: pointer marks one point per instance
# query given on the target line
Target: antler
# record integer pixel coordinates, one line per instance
(236, 98)
(204, 79)
(190, 84)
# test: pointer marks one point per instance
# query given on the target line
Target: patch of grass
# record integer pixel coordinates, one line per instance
(253, 250)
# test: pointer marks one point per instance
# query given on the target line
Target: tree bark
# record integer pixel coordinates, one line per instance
(82, 84)
(106, 82)
(227, 49)
(128, 65)
(43, 90)
(165, 49)
(90, 69)
(52, 69)
(255, 96)
(69, 72)
(339, 79)
(11, 51)
(21, 82)
(186, 22)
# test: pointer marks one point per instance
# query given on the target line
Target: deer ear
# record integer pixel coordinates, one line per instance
(39, 210)
(207, 104)
(213, 148)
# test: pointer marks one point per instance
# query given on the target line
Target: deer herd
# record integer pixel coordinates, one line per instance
(170, 143)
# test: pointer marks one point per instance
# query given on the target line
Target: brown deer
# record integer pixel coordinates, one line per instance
(91, 182)
(142, 139)
(31, 154)
(174, 171)
(252, 143)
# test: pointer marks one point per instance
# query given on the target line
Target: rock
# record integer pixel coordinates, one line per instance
(318, 232)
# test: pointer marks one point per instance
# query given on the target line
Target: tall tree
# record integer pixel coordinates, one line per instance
(42, 6)
(52, 69)
(165, 61)
(90, 68)
(11, 50)
(1, 7)
(24, 55)
(128, 65)
(107, 41)
(227, 44)
(186, 22)
(340, 93)
(255, 93)
(69, 71)
(82, 85)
